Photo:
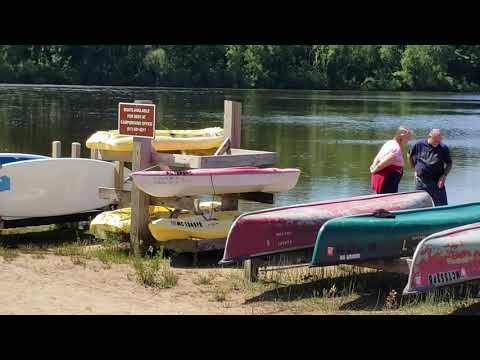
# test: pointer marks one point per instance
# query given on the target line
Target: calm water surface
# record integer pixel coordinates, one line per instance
(332, 136)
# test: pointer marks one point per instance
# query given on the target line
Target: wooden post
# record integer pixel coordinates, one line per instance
(56, 149)
(76, 150)
(119, 175)
(232, 124)
(250, 269)
(93, 153)
(140, 237)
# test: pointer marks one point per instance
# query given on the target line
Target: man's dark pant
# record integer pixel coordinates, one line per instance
(439, 196)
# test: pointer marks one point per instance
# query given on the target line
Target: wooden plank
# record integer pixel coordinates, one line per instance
(76, 150)
(258, 159)
(238, 157)
(123, 199)
(224, 147)
(56, 149)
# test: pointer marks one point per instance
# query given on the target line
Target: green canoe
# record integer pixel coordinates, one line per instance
(368, 237)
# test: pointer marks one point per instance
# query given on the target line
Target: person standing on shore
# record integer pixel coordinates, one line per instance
(387, 167)
(432, 162)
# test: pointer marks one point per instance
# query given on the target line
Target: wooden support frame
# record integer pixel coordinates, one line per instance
(251, 266)
(140, 237)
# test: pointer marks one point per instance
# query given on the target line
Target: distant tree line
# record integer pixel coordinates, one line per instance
(335, 67)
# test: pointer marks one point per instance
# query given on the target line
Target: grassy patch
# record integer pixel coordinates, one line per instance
(8, 254)
(204, 279)
(219, 294)
(155, 272)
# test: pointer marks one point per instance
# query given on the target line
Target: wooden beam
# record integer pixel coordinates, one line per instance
(140, 237)
(232, 122)
(258, 159)
(76, 150)
(123, 199)
(224, 147)
(401, 265)
(56, 149)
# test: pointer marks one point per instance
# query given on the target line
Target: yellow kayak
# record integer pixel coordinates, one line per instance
(165, 140)
(118, 221)
(187, 226)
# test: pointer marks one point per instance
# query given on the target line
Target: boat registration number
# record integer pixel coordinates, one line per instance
(444, 277)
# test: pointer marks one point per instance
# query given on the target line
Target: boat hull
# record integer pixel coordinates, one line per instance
(193, 226)
(290, 228)
(367, 237)
(215, 181)
(53, 187)
(445, 258)
(165, 140)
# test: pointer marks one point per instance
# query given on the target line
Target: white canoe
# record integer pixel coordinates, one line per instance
(445, 258)
(215, 181)
(51, 187)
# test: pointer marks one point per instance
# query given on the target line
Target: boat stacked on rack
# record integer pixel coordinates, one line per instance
(215, 181)
(202, 140)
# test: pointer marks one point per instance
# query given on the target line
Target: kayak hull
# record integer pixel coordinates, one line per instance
(295, 227)
(190, 226)
(367, 237)
(445, 258)
(165, 140)
(215, 181)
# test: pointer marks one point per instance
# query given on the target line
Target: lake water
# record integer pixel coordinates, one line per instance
(332, 136)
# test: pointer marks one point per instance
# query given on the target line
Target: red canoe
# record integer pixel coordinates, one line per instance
(290, 228)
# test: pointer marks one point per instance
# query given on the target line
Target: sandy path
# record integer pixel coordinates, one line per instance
(55, 285)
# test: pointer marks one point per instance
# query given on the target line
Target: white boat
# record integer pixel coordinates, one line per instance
(215, 181)
(51, 187)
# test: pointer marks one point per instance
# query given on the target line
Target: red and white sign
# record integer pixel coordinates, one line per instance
(136, 119)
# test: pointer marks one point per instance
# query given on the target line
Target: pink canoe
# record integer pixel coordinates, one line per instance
(290, 228)
(215, 181)
(445, 258)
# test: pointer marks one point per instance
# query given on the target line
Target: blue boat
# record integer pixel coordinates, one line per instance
(6, 158)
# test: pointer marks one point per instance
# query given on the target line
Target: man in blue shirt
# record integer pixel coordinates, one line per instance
(432, 163)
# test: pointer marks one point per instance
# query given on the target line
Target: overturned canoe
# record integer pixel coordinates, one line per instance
(187, 226)
(118, 221)
(445, 258)
(165, 140)
(6, 158)
(215, 181)
(295, 227)
(368, 237)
